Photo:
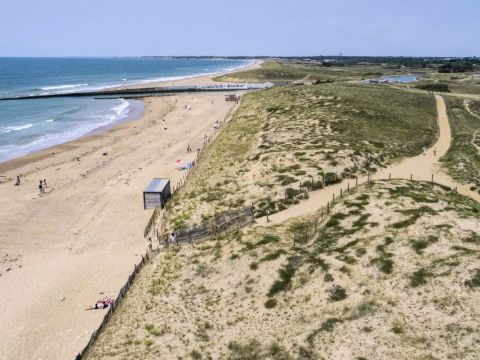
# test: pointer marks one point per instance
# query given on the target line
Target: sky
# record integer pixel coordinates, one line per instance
(236, 27)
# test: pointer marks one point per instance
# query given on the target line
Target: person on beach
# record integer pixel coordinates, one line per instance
(18, 181)
(101, 304)
(150, 247)
(44, 183)
(424, 150)
(435, 152)
(40, 188)
(166, 243)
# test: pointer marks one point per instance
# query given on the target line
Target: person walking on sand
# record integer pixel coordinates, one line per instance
(44, 183)
(40, 188)
(18, 181)
(435, 152)
(150, 248)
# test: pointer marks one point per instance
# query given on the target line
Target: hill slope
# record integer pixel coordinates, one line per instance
(393, 272)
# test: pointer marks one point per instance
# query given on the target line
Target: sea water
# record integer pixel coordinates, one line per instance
(35, 124)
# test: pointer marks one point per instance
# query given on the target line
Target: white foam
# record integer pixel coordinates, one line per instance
(62, 87)
(12, 151)
(49, 120)
(8, 129)
(121, 108)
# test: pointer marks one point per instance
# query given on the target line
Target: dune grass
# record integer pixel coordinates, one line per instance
(344, 286)
(463, 158)
(285, 140)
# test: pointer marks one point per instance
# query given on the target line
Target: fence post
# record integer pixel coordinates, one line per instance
(432, 178)
(333, 198)
(328, 207)
(356, 181)
(341, 193)
(390, 176)
(348, 186)
(411, 177)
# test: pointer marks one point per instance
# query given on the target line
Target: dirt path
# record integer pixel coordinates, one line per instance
(421, 167)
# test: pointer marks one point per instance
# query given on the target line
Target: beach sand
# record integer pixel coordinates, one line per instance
(62, 251)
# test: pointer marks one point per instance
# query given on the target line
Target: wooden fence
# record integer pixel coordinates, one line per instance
(221, 224)
(311, 229)
(151, 223)
(114, 306)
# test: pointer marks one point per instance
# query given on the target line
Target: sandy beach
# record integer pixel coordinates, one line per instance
(62, 251)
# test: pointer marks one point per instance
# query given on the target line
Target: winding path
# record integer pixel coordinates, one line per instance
(421, 167)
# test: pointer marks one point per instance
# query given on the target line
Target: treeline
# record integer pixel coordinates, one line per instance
(437, 87)
(459, 66)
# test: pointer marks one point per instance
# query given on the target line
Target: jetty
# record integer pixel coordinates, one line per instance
(146, 91)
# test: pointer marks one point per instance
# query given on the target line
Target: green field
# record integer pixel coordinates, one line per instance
(284, 70)
(310, 135)
(463, 159)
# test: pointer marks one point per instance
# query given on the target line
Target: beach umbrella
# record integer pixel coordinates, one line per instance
(178, 162)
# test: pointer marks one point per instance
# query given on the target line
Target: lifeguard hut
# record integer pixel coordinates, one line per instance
(157, 193)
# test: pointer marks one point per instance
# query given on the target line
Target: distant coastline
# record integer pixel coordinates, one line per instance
(29, 139)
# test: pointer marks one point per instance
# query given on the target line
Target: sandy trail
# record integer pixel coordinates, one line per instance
(420, 167)
(62, 251)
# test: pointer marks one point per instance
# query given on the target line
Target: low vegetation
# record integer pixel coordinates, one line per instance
(356, 287)
(463, 158)
(433, 87)
(321, 70)
(286, 140)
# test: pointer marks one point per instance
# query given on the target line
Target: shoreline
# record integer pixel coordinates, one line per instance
(45, 153)
(80, 240)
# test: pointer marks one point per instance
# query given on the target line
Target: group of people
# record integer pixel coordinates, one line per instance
(102, 304)
(42, 186)
(171, 240)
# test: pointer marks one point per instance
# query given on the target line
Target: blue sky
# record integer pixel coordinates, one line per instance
(236, 27)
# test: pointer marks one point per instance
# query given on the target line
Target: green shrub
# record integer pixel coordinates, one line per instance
(270, 303)
(337, 293)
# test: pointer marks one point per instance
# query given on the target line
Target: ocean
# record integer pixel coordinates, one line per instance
(32, 125)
